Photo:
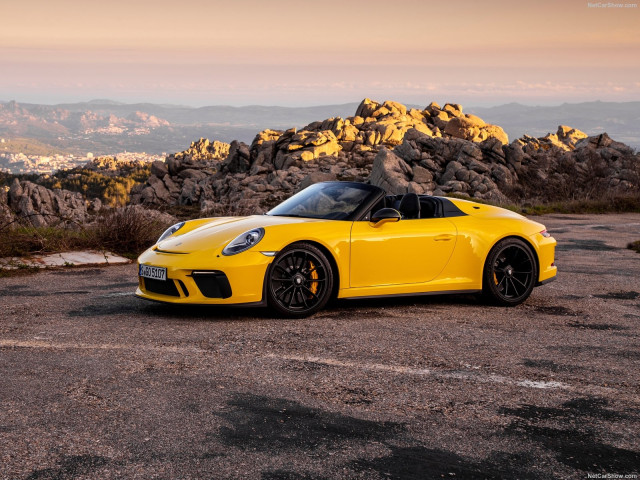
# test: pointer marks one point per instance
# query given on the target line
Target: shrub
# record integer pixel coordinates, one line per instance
(130, 230)
(27, 240)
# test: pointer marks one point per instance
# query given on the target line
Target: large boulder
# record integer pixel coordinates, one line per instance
(238, 159)
(6, 215)
(391, 172)
(470, 127)
(42, 207)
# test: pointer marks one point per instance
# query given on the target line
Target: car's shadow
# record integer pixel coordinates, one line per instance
(343, 309)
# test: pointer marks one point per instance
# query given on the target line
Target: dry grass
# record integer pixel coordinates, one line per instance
(127, 232)
(26, 240)
(614, 204)
(608, 204)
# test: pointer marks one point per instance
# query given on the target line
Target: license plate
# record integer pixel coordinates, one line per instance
(156, 273)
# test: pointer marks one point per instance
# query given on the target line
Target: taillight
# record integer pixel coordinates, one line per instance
(545, 234)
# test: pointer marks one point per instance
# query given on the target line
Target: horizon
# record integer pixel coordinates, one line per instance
(283, 54)
(108, 101)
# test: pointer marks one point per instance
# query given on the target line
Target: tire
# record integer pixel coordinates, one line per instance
(510, 273)
(300, 281)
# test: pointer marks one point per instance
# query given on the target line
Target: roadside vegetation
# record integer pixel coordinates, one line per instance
(126, 231)
(606, 204)
(635, 246)
(112, 190)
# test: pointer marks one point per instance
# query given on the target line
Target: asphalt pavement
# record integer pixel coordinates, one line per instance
(98, 384)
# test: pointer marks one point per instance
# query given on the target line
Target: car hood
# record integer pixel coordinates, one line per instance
(215, 233)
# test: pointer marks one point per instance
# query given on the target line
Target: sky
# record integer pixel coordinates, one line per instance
(298, 53)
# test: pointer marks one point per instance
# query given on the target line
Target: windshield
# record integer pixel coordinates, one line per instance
(328, 200)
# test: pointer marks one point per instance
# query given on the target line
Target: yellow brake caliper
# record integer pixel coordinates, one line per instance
(314, 275)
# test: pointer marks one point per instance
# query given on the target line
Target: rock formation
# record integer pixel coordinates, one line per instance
(438, 150)
(40, 206)
(277, 163)
(177, 180)
(6, 215)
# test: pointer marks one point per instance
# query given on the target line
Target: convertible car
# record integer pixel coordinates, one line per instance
(349, 240)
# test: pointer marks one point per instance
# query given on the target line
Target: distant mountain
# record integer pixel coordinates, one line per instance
(104, 101)
(104, 126)
(253, 115)
(620, 120)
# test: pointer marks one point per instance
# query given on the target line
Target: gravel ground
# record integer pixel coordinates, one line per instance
(95, 383)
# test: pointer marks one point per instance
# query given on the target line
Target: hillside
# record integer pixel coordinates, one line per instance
(29, 146)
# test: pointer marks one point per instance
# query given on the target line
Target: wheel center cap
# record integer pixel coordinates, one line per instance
(297, 279)
(509, 271)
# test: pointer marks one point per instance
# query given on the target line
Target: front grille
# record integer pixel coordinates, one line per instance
(213, 284)
(161, 287)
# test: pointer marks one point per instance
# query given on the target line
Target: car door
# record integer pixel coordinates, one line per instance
(403, 252)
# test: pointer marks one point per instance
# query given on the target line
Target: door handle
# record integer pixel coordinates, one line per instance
(443, 238)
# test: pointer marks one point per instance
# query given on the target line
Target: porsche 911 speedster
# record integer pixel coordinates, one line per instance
(349, 240)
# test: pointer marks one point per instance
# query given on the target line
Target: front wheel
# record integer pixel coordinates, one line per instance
(510, 273)
(300, 281)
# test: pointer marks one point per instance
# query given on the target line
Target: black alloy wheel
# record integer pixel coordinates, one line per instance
(300, 281)
(510, 272)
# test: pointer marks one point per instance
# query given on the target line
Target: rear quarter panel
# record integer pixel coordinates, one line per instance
(480, 230)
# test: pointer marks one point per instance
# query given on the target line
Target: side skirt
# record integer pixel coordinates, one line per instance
(416, 294)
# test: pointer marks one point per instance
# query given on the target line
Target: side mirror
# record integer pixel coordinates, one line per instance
(385, 215)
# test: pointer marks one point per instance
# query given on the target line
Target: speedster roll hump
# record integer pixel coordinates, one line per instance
(349, 240)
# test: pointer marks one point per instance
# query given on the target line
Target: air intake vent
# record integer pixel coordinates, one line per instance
(161, 287)
(212, 284)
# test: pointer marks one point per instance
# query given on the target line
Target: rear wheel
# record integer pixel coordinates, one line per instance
(300, 281)
(510, 272)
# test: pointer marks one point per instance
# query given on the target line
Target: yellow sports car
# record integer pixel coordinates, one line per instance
(349, 240)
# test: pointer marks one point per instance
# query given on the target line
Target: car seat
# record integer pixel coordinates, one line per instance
(410, 206)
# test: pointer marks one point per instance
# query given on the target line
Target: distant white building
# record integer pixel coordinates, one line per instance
(89, 155)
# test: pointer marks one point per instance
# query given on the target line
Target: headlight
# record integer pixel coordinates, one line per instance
(170, 231)
(244, 242)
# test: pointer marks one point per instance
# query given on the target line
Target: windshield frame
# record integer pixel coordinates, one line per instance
(375, 194)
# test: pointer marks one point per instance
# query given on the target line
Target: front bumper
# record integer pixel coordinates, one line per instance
(198, 278)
